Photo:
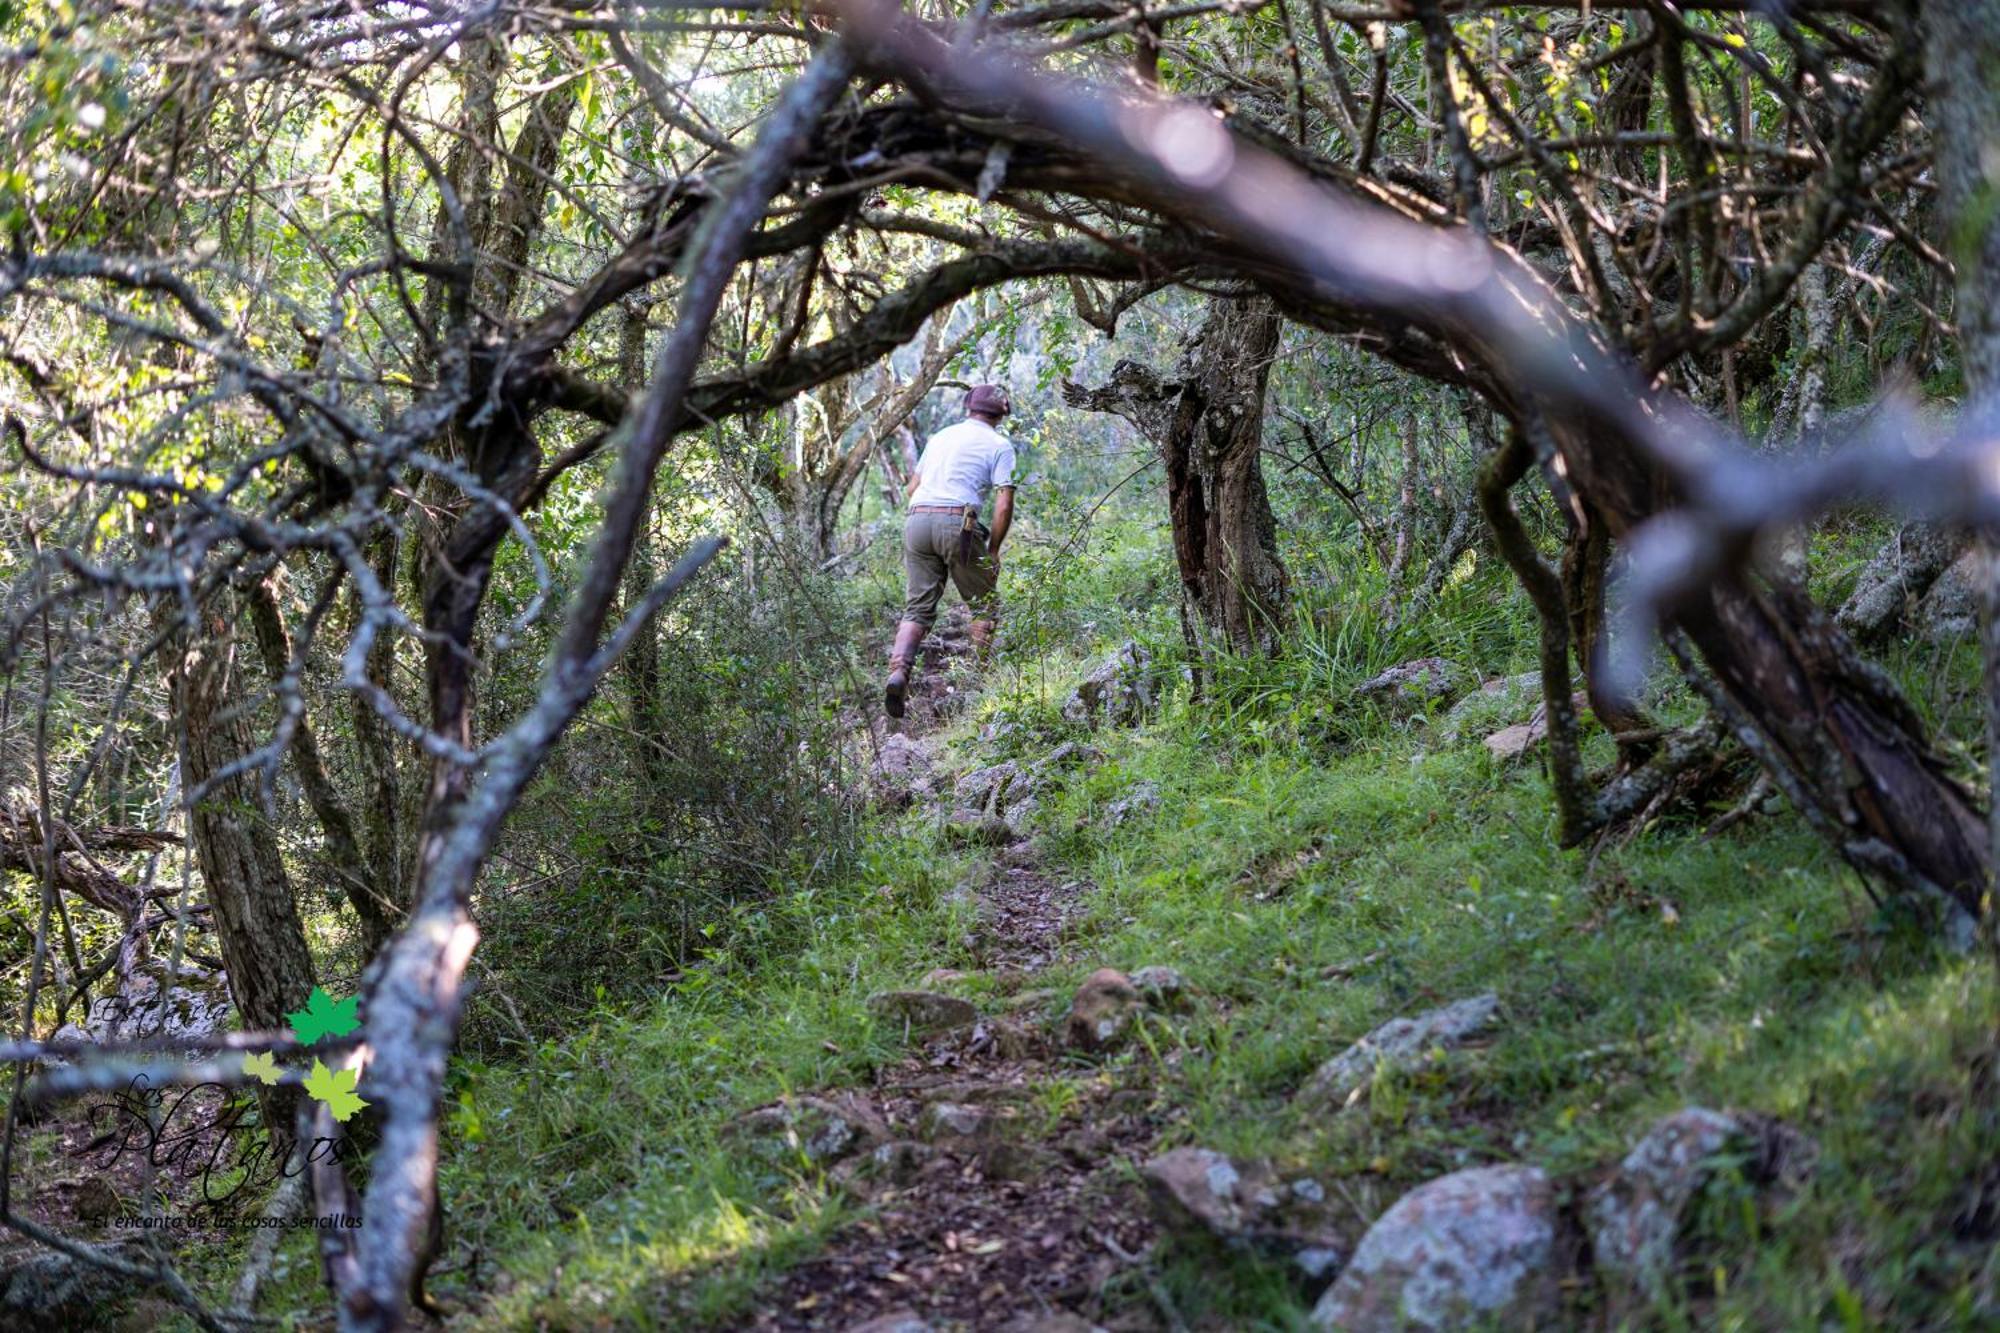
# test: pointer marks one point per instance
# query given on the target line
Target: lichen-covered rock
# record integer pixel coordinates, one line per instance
(1142, 798)
(50, 1290)
(1120, 691)
(1101, 1014)
(903, 772)
(822, 1130)
(955, 1124)
(993, 788)
(1245, 1205)
(1419, 685)
(1401, 1043)
(923, 1010)
(1201, 1189)
(1475, 1249)
(1950, 610)
(1161, 987)
(1634, 1218)
(1499, 702)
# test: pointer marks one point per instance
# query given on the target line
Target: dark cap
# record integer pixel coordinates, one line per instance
(987, 400)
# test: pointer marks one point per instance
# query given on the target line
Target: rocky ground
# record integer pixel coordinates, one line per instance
(993, 1165)
(1010, 1177)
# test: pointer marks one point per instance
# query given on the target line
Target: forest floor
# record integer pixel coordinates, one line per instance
(1006, 1198)
(869, 1107)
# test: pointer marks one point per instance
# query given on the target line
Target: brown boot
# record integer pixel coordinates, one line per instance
(901, 659)
(982, 640)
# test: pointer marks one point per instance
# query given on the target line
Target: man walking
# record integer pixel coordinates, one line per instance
(943, 535)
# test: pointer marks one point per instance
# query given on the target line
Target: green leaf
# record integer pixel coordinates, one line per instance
(325, 1017)
(262, 1066)
(335, 1087)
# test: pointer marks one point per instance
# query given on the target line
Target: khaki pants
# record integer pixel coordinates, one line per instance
(930, 553)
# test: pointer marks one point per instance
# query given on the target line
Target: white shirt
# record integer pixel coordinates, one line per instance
(961, 463)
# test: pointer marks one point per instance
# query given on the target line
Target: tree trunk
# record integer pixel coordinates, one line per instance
(641, 668)
(373, 909)
(1963, 105)
(1208, 422)
(263, 944)
(1224, 533)
(1962, 69)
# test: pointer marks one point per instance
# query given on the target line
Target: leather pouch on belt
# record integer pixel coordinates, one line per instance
(968, 537)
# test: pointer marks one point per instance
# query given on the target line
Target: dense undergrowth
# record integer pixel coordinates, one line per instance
(1314, 867)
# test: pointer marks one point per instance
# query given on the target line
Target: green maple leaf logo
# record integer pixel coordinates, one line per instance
(262, 1067)
(335, 1087)
(325, 1017)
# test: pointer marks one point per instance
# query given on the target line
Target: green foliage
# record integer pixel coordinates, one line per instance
(1307, 893)
(655, 839)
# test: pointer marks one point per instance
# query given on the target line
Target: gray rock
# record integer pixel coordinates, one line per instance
(1245, 1205)
(1050, 1323)
(1402, 1043)
(903, 772)
(50, 1290)
(1120, 690)
(1501, 701)
(954, 1124)
(896, 1321)
(1142, 799)
(923, 1010)
(1161, 987)
(1200, 1189)
(1634, 1218)
(1474, 1249)
(1102, 1012)
(1419, 685)
(993, 788)
(1950, 610)
(819, 1129)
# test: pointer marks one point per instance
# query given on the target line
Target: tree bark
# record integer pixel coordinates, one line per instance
(256, 917)
(1962, 69)
(374, 910)
(1962, 46)
(1208, 423)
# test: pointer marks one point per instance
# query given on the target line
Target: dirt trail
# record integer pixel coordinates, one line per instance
(999, 1201)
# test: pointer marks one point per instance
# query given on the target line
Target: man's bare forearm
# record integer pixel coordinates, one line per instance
(1003, 518)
